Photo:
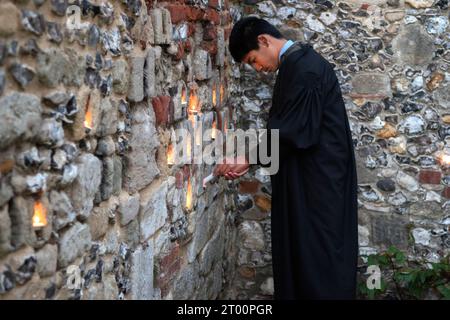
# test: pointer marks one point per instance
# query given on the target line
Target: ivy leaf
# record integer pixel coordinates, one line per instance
(372, 260)
(445, 291)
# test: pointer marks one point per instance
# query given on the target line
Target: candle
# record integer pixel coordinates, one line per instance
(40, 215)
(88, 118)
(214, 96)
(170, 155)
(189, 196)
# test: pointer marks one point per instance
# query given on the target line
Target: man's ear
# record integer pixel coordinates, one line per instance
(263, 40)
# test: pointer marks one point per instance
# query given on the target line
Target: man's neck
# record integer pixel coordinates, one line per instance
(279, 45)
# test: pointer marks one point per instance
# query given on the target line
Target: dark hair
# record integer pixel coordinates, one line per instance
(244, 36)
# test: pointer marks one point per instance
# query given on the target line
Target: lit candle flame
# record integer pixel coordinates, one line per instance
(170, 155)
(193, 103)
(40, 215)
(214, 96)
(222, 93)
(189, 196)
(444, 158)
(88, 118)
(183, 96)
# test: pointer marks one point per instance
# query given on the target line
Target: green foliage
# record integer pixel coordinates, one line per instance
(407, 279)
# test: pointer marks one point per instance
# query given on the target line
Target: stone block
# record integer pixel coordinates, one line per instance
(73, 243)
(128, 207)
(153, 209)
(136, 86)
(371, 86)
(20, 117)
(387, 231)
(413, 46)
(140, 164)
(141, 275)
(86, 184)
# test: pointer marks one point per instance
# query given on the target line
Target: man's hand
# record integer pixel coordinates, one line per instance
(232, 168)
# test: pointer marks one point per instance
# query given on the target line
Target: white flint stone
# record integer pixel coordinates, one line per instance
(286, 12)
(433, 196)
(421, 236)
(328, 18)
(407, 182)
(268, 8)
(314, 24)
(363, 236)
(377, 124)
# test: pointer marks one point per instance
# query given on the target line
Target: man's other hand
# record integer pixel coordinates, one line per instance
(232, 168)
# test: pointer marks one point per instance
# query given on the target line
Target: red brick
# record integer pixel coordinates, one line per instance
(430, 176)
(168, 268)
(213, 16)
(446, 192)
(179, 178)
(171, 258)
(180, 52)
(161, 106)
(249, 186)
(195, 14)
(214, 4)
(178, 12)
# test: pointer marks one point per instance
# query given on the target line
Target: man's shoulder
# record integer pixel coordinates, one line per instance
(306, 62)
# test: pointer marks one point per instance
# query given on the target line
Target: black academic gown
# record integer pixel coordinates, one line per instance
(314, 193)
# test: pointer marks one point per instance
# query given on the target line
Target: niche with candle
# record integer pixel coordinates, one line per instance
(189, 201)
(194, 102)
(88, 124)
(443, 157)
(41, 221)
(87, 118)
(92, 113)
(170, 154)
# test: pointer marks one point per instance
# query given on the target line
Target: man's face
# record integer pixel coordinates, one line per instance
(264, 59)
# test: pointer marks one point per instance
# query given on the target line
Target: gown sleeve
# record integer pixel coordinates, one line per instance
(298, 114)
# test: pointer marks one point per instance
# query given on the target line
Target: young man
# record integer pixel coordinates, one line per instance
(314, 192)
